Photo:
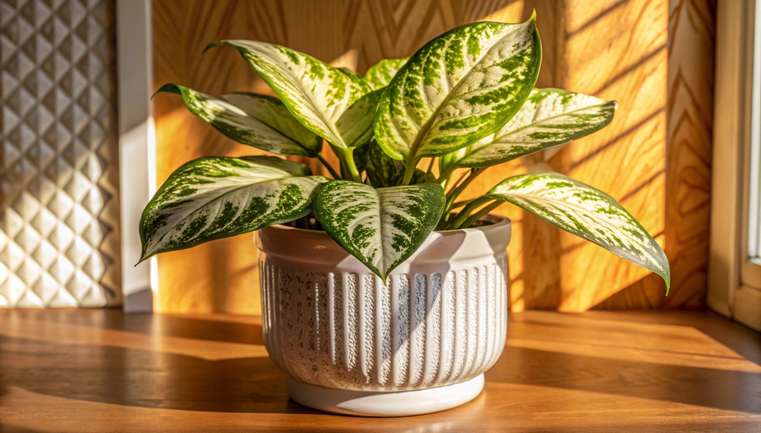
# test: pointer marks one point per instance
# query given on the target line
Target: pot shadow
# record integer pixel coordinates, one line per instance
(239, 329)
(143, 378)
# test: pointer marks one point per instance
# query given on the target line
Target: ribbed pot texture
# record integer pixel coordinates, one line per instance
(328, 321)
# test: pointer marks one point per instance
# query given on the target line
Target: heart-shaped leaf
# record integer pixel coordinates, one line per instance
(458, 88)
(380, 227)
(549, 117)
(381, 73)
(587, 212)
(215, 197)
(249, 118)
(316, 94)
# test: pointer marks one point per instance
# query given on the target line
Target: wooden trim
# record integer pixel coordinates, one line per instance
(748, 306)
(750, 268)
(728, 130)
(750, 273)
(137, 164)
(733, 130)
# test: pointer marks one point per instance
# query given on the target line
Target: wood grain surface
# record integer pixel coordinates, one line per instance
(654, 56)
(626, 159)
(100, 370)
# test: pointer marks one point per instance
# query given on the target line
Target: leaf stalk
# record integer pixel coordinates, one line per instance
(347, 158)
(478, 215)
(466, 211)
(460, 187)
(409, 171)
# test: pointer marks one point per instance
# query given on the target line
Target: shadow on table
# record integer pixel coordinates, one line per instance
(135, 377)
(714, 388)
(233, 329)
(140, 377)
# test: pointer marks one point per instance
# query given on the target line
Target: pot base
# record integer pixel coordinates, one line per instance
(392, 403)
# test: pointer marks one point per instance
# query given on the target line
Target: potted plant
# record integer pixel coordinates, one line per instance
(383, 293)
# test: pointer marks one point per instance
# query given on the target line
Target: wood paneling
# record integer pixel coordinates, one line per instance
(654, 57)
(686, 179)
(626, 159)
(85, 371)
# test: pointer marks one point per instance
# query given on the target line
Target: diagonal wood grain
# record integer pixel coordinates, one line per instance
(687, 169)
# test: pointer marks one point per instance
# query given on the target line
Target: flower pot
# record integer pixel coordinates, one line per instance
(353, 345)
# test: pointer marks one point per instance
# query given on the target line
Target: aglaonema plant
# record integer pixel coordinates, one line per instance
(463, 102)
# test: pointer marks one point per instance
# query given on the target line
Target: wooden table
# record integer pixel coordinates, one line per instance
(100, 370)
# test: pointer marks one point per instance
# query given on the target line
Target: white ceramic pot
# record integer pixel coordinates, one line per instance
(352, 345)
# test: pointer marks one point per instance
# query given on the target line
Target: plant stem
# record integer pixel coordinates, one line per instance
(465, 212)
(459, 204)
(409, 170)
(478, 215)
(347, 157)
(327, 165)
(454, 193)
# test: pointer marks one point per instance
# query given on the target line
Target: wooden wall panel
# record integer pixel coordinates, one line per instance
(628, 158)
(689, 112)
(655, 58)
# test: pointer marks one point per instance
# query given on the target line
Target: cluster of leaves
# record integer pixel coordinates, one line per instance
(466, 100)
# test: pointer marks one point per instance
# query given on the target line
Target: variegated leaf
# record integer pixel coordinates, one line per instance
(356, 123)
(587, 212)
(384, 171)
(215, 197)
(316, 94)
(380, 227)
(257, 120)
(549, 117)
(381, 73)
(458, 88)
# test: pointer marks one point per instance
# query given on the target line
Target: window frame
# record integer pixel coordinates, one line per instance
(734, 278)
(750, 271)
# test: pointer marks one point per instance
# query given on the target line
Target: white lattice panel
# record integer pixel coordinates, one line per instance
(59, 238)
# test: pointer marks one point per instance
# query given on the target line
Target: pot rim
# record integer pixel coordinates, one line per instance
(497, 221)
(298, 246)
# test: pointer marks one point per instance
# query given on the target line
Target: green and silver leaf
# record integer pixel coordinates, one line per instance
(380, 227)
(587, 212)
(383, 171)
(316, 94)
(458, 88)
(215, 197)
(381, 73)
(356, 123)
(549, 117)
(256, 120)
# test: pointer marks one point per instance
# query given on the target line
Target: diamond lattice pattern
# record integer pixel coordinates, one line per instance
(58, 186)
